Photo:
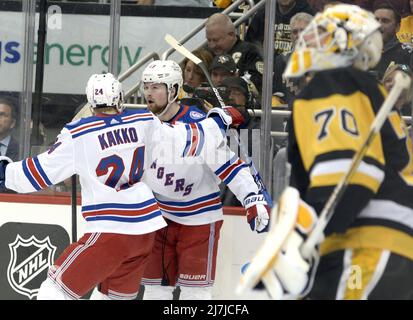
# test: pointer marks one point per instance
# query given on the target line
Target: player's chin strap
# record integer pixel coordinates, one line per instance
(168, 105)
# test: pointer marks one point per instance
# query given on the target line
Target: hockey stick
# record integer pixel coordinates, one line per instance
(186, 53)
(402, 82)
(266, 256)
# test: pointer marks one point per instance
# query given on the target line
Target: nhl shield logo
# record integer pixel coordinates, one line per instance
(29, 259)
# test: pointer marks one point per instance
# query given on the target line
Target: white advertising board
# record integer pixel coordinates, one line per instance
(237, 243)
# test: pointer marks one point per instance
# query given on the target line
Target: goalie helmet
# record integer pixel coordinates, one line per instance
(340, 36)
(167, 72)
(104, 90)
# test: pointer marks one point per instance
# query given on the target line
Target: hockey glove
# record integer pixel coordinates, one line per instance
(227, 117)
(257, 212)
(290, 268)
(278, 264)
(4, 161)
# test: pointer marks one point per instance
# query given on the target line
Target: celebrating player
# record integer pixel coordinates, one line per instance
(109, 151)
(189, 198)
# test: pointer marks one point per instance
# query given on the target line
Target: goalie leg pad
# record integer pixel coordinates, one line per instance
(292, 221)
(292, 272)
(273, 285)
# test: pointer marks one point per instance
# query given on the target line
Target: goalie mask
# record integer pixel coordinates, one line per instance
(167, 72)
(340, 36)
(104, 90)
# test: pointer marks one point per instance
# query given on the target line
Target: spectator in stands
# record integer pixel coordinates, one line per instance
(282, 33)
(241, 97)
(182, 3)
(403, 104)
(222, 67)
(8, 113)
(317, 5)
(320, 5)
(281, 88)
(405, 34)
(393, 51)
(194, 78)
(193, 75)
(222, 39)
(222, 3)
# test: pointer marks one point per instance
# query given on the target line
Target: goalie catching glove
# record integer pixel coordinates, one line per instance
(227, 117)
(257, 212)
(279, 264)
(4, 161)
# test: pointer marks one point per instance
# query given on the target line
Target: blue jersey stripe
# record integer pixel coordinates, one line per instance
(41, 171)
(186, 214)
(226, 165)
(29, 176)
(119, 205)
(124, 219)
(81, 133)
(201, 136)
(234, 172)
(188, 140)
(187, 203)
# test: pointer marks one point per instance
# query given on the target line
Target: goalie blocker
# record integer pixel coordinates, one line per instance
(284, 272)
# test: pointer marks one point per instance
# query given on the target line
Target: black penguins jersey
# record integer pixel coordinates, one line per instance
(331, 119)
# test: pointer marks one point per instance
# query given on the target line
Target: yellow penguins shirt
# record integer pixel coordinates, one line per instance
(331, 119)
(405, 34)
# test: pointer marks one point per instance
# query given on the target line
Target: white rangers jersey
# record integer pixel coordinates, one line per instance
(188, 192)
(110, 154)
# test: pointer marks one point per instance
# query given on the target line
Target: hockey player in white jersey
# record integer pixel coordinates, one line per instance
(188, 195)
(109, 151)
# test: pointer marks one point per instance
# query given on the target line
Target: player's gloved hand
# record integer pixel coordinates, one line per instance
(279, 264)
(229, 116)
(4, 161)
(257, 212)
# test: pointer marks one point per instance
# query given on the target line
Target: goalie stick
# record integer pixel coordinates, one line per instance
(186, 53)
(266, 256)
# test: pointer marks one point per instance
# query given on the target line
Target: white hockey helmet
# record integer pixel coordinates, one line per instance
(167, 72)
(340, 36)
(104, 90)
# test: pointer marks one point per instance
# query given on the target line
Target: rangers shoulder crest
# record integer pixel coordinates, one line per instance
(196, 115)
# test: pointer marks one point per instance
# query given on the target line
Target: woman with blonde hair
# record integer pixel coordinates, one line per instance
(193, 75)
(194, 78)
(403, 104)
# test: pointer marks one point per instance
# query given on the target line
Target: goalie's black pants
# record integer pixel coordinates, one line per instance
(363, 274)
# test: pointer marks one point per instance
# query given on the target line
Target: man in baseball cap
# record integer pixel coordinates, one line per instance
(237, 90)
(222, 66)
